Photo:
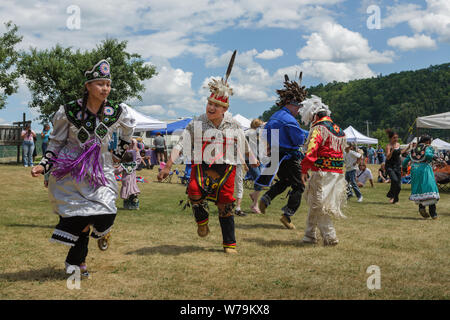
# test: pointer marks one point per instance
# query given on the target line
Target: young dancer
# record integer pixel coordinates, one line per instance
(424, 190)
(129, 191)
(82, 187)
(216, 140)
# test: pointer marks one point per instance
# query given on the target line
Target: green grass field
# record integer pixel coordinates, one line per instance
(155, 253)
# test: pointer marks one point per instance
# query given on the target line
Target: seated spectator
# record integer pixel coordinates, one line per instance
(383, 176)
(363, 174)
(406, 175)
(145, 154)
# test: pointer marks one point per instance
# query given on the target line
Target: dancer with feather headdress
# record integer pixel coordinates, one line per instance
(222, 144)
(290, 138)
(326, 188)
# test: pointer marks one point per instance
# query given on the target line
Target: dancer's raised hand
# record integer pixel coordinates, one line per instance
(37, 171)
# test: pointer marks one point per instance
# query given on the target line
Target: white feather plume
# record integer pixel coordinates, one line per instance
(312, 106)
(220, 88)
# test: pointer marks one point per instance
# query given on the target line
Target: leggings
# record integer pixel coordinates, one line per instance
(78, 253)
(396, 183)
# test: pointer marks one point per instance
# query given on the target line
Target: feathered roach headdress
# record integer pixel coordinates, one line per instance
(220, 90)
(312, 106)
(292, 93)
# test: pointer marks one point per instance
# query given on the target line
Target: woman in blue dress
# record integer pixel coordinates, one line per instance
(424, 190)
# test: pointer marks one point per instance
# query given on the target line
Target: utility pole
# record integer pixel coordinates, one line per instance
(367, 124)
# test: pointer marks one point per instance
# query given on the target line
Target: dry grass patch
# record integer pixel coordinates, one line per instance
(156, 253)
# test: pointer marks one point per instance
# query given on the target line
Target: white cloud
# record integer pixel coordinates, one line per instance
(336, 53)
(338, 71)
(165, 28)
(155, 109)
(171, 88)
(270, 54)
(3, 121)
(161, 30)
(335, 43)
(172, 113)
(249, 80)
(435, 19)
(405, 43)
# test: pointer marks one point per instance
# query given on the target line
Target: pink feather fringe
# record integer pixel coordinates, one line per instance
(79, 167)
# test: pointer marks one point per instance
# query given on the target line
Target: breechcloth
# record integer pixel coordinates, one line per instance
(215, 183)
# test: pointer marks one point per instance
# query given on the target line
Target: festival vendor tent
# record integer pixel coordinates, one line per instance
(435, 121)
(440, 144)
(354, 135)
(171, 127)
(145, 123)
(243, 121)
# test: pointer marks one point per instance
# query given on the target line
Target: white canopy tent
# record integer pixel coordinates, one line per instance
(354, 135)
(435, 121)
(436, 143)
(440, 144)
(145, 123)
(243, 121)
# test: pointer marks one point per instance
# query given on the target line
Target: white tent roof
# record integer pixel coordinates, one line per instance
(435, 121)
(354, 135)
(145, 123)
(440, 144)
(436, 143)
(243, 121)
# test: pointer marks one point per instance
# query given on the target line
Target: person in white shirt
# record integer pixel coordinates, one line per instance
(352, 159)
(363, 174)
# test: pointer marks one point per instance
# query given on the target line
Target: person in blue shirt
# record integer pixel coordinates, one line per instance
(371, 154)
(290, 138)
(380, 155)
(45, 135)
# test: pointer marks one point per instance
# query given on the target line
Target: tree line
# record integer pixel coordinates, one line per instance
(391, 101)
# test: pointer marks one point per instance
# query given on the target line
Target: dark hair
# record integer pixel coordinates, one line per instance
(425, 138)
(321, 114)
(391, 133)
(127, 157)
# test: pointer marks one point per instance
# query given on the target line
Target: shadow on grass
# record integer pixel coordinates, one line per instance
(277, 243)
(387, 203)
(44, 274)
(400, 218)
(259, 226)
(29, 226)
(170, 250)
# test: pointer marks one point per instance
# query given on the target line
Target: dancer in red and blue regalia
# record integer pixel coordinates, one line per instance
(213, 170)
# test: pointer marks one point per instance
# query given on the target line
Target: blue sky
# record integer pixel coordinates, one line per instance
(190, 41)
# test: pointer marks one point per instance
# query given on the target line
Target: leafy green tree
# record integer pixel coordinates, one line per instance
(56, 76)
(8, 59)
